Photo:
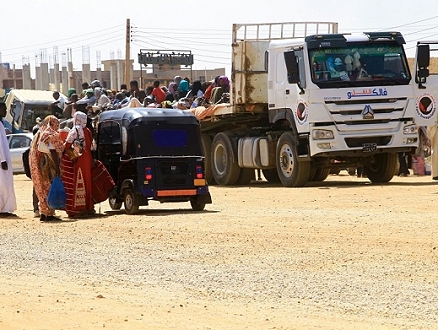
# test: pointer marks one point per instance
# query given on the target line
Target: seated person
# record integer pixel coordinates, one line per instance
(158, 93)
(223, 87)
(183, 88)
(70, 105)
(57, 107)
(119, 100)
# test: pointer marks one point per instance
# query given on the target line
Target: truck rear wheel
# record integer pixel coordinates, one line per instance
(246, 176)
(382, 168)
(291, 172)
(225, 170)
(320, 174)
(206, 145)
(271, 175)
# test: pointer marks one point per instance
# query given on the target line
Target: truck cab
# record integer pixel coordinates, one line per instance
(349, 99)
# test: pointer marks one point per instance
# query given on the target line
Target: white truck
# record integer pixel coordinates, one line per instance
(306, 99)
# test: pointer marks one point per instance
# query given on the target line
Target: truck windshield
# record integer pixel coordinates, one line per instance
(359, 64)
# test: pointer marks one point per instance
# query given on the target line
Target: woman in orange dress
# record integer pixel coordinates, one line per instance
(76, 174)
(45, 154)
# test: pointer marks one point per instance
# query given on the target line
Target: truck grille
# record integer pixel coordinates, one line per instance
(358, 142)
(348, 114)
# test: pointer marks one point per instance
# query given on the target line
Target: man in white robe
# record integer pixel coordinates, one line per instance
(8, 203)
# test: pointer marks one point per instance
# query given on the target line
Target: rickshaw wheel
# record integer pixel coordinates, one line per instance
(130, 206)
(196, 204)
(114, 204)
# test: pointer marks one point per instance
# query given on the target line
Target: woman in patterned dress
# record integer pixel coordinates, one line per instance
(76, 174)
(44, 159)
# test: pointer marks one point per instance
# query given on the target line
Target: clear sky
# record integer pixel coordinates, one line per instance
(35, 29)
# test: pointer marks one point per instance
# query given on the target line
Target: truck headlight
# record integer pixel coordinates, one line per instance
(410, 129)
(322, 134)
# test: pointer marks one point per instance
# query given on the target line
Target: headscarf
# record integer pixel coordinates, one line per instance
(48, 127)
(224, 80)
(70, 92)
(45, 162)
(183, 86)
(197, 86)
(172, 87)
(77, 132)
(177, 80)
(97, 92)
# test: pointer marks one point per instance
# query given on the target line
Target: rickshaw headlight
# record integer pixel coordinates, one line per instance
(148, 173)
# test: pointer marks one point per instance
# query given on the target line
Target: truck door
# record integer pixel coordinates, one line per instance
(295, 95)
(278, 80)
(426, 85)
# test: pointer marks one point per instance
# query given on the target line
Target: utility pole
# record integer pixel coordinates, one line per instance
(128, 52)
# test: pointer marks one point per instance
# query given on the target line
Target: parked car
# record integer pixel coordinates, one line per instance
(18, 143)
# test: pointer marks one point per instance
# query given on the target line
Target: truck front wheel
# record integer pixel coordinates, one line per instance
(319, 174)
(291, 172)
(382, 168)
(225, 170)
(206, 145)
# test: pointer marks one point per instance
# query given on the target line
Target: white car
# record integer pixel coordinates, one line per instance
(18, 143)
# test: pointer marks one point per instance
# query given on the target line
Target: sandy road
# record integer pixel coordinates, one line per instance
(343, 254)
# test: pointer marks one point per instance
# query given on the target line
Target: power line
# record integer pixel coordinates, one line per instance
(182, 40)
(66, 39)
(412, 23)
(190, 36)
(74, 50)
(196, 31)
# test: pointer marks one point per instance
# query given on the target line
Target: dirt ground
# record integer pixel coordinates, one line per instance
(342, 254)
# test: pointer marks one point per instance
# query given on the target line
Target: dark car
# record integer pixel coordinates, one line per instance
(152, 154)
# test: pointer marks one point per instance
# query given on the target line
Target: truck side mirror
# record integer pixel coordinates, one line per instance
(293, 74)
(423, 61)
(423, 55)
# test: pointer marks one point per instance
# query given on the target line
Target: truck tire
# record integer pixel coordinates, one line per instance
(382, 168)
(291, 172)
(246, 176)
(320, 174)
(206, 145)
(271, 175)
(225, 170)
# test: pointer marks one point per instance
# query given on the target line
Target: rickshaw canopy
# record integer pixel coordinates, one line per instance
(144, 132)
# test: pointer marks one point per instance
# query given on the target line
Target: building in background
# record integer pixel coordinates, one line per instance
(111, 76)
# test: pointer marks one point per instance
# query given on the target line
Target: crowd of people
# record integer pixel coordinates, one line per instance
(179, 94)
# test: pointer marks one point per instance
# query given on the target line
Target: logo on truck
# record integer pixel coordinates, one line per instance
(302, 112)
(367, 92)
(426, 106)
(368, 112)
